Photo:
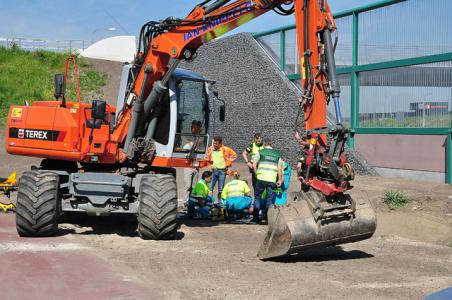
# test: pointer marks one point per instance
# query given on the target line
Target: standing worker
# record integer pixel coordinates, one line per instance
(252, 150)
(268, 166)
(191, 174)
(236, 197)
(221, 158)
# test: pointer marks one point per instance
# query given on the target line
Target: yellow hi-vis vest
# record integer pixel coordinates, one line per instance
(235, 188)
(218, 159)
(253, 149)
(267, 169)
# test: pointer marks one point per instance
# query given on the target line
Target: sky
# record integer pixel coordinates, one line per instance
(88, 19)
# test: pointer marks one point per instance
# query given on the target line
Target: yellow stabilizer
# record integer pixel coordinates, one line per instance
(7, 207)
(10, 181)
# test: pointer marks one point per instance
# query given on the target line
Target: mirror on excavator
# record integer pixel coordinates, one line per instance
(222, 116)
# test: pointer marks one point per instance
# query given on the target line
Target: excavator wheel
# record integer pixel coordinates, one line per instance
(157, 209)
(38, 204)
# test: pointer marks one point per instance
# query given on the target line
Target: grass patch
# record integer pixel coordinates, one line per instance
(395, 199)
(28, 76)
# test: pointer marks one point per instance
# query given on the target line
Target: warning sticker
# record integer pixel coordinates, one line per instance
(303, 69)
(16, 112)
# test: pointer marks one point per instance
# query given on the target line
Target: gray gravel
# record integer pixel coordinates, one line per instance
(258, 96)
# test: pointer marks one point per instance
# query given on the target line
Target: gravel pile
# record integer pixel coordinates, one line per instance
(359, 164)
(258, 96)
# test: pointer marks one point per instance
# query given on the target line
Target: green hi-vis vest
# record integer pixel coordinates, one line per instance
(255, 150)
(201, 190)
(267, 169)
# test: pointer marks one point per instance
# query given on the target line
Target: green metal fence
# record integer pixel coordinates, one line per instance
(398, 49)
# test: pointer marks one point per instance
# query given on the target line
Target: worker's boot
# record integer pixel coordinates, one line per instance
(255, 216)
(263, 216)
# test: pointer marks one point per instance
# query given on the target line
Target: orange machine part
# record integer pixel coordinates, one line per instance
(61, 133)
(315, 112)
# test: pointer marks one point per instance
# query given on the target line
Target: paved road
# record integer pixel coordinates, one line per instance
(60, 268)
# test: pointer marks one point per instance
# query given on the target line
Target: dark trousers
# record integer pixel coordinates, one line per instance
(253, 179)
(261, 186)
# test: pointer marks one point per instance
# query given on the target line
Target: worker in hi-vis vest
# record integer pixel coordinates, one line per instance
(268, 166)
(221, 158)
(249, 153)
(236, 197)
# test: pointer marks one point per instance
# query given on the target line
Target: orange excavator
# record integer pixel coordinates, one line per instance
(101, 159)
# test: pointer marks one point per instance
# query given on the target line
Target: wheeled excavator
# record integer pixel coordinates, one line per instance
(104, 160)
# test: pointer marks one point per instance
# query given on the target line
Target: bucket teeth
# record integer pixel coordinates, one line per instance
(312, 221)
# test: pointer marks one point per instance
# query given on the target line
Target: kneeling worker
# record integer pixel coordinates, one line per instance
(236, 196)
(201, 197)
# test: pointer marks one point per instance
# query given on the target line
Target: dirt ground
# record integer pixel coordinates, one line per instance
(113, 70)
(408, 257)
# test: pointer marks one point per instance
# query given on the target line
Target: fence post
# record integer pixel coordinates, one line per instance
(282, 47)
(449, 158)
(354, 110)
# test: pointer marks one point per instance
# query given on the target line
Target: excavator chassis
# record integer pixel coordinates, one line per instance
(313, 220)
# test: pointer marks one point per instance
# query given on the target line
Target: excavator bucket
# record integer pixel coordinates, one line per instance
(313, 220)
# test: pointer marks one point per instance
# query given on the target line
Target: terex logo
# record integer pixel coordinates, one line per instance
(36, 134)
(21, 134)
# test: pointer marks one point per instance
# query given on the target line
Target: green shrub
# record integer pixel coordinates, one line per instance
(28, 76)
(395, 199)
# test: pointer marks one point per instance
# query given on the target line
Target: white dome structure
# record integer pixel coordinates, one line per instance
(117, 48)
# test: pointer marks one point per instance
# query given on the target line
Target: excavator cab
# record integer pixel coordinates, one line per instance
(193, 111)
(184, 114)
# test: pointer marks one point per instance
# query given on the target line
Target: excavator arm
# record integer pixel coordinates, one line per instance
(164, 44)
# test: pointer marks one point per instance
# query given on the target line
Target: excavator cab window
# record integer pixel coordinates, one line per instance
(192, 117)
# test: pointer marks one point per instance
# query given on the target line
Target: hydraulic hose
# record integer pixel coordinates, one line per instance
(332, 73)
(215, 6)
(137, 113)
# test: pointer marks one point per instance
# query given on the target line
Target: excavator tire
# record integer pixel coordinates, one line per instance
(38, 205)
(157, 209)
